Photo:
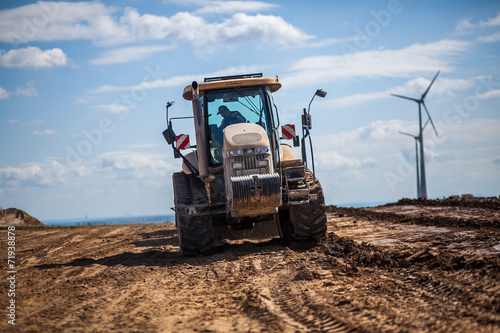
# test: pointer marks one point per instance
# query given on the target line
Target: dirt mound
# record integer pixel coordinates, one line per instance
(354, 254)
(470, 202)
(17, 217)
(466, 212)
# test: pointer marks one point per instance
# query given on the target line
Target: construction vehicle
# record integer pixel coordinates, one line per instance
(240, 180)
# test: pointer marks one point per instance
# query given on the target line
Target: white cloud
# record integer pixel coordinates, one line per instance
(490, 38)
(49, 21)
(376, 159)
(45, 132)
(225, 7)
(94, 21)
(180, 80)
(43, 174)
(31, 123)
(237, 29)
(413, 88)
(367, 145)
(491, 22)
(417, 58)
(241, 27)
(330, 41)
(484, 131)
(490, 94)
(28, 91)
(103, 169)
(84, 100)
(143, 146)
(466, 26)
(331, 160)
(355, 99)
(113, 108)
(147, 85)
(138, 183)
(131, 165)
(127, 54)
(4, 94)
(33, 57)
(362, 139)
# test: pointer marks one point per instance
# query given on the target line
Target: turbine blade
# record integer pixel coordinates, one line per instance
(428, 115)
(425, 125)
(425, 93)
(411, 99)
(404, 133)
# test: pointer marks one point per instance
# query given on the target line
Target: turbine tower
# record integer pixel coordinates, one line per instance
(417, 138)
(420, 102)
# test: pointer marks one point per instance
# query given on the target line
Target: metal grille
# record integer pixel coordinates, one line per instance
(249, 162)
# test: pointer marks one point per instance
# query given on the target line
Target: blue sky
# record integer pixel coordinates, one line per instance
(83, 89)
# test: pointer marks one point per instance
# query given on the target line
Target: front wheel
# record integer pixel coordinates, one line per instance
(195, 231)
(196, 235)
(308, 221)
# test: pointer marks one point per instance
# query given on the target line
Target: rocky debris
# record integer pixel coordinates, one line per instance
(17, 217)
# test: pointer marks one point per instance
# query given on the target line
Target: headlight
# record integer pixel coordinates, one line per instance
(237, 165)
(236, 152)
(247, 151)
(262, 163)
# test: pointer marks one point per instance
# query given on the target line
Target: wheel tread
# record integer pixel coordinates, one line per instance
(309, 220)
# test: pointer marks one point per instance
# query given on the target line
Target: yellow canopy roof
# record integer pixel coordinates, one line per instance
(272, 83)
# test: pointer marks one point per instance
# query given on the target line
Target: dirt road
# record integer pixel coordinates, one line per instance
(405, 268)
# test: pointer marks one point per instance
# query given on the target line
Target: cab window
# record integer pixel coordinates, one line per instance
(224, 108)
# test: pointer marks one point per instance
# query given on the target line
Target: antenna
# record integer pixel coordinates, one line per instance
(421, 183)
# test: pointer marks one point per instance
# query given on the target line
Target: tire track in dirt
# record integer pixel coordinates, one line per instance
(305, 312)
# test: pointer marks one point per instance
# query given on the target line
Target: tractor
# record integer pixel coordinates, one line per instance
(240, 180)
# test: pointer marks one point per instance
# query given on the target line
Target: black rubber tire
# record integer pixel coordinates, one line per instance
(195, 232)
(309, 220)
(196, 235)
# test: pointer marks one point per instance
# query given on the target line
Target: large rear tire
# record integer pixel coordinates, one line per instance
(309, 220)
(195, 231)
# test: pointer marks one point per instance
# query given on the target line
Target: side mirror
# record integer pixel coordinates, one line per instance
(169, 134)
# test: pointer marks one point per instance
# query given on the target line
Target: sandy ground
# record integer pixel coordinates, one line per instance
(385, 269)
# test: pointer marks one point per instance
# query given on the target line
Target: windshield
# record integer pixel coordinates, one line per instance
(231, 107)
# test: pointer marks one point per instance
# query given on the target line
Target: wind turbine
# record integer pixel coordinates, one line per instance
(419, 190)
(423, 185)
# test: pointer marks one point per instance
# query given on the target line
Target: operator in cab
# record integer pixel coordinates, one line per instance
(229, 117)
